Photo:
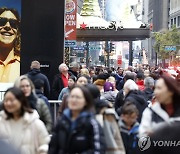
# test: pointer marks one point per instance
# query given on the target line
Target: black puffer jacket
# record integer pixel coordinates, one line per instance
(138, 98)
(82, 136)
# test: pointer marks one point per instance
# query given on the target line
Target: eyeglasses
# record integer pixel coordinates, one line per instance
(13, 22)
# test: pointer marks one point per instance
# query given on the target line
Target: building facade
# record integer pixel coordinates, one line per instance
(174, 14)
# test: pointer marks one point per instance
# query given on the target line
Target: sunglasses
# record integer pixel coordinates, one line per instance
(13, 22)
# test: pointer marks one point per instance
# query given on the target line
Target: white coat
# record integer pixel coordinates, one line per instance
(33, 139)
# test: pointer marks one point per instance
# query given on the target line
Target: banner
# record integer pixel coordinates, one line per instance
(70, 19)
(10, 40)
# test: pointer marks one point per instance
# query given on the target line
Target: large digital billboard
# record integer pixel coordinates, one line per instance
(10, 40)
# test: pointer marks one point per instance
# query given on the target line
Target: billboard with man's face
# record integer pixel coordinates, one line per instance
(10, 40)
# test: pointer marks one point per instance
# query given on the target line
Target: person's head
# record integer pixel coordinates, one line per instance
(167, 90)
(84, 71)
(35, 64)
(129, 75)
(93, 89)
(82, 80)
(130, 85)
(15, 103)
(146, 73)
(74, 66)
(140, 76)
(129, 113)
(91, 72)
(120, 71)
(71, 81)
(10, 29)
(39, 84)
(25, 84)
(63, 68)
(80, 99)
(149, 82)
(113, 81)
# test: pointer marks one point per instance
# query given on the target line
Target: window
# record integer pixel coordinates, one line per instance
(171, 23)
(178, 21)
(175, 21)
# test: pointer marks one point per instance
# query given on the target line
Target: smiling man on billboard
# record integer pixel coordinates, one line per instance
(9, 45)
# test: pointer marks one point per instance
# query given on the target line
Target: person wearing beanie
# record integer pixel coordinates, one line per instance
(109, 93)
(65, 91)
(101, 79)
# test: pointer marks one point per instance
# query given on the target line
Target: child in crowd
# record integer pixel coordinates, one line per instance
(129, 127)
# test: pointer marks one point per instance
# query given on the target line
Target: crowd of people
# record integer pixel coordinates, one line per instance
(101, 110)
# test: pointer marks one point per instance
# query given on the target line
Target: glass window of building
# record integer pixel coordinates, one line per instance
(178, 21)
(171, 23)
(175, 21)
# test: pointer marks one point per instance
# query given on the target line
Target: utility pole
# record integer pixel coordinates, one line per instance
(130, 53)
(87, 54)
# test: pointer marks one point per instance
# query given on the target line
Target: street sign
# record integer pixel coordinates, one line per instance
(70, 43)
(119, 60)
(70, 19)
(78, 48)
(94, 48)
(170, 48)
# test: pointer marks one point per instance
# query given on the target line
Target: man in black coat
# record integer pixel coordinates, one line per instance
(60, 81)
(35, 74)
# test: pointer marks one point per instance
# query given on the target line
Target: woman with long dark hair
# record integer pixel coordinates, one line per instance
(20, 125)
(77, 131)
(166, 106)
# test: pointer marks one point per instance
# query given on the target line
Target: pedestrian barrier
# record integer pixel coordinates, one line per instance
(1, 95)
(54, 107)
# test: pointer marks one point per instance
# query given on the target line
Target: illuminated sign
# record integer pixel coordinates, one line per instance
(113, 25)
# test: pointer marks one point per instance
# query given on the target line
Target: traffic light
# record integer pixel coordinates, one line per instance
(112, 47)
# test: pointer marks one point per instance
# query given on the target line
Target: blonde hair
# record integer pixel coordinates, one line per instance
(17, 83)
(85, 71)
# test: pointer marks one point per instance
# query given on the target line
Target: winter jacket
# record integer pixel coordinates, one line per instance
(139, 100)
(57, 86)
(82, 136)
(109, 96)
(42, 109)
(41, 96)
(63, 92)
(148, 93)
(130, 137)
(36, 74)
(114, 143)
(154, 117)
(140, 84)
(33, 139)
(119, 101)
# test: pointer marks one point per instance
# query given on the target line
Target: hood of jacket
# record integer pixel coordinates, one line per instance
(28, 118)
(123, 127)
(109, 96)
(136, 95)
(34, 71)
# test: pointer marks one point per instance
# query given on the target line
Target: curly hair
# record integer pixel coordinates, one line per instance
(17, 42)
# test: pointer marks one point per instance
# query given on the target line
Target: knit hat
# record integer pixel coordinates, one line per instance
(108, 87)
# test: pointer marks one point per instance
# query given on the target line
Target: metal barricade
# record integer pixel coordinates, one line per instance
(54, 107)
(1, 95)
